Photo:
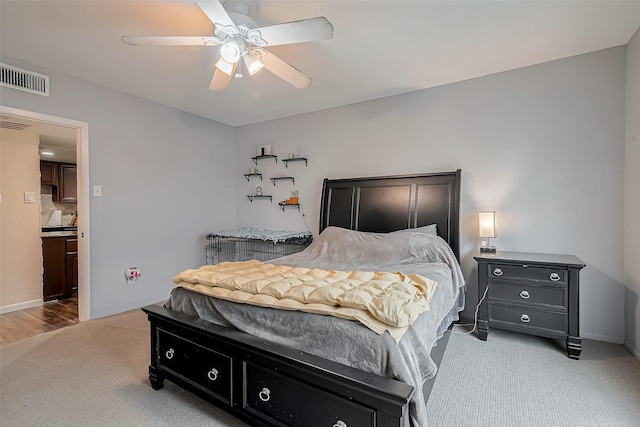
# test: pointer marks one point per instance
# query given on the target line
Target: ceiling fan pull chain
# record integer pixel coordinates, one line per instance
(239, 70)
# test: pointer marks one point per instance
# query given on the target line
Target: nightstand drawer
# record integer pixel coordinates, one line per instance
(507, 271)
(528, 317)
(528, 294)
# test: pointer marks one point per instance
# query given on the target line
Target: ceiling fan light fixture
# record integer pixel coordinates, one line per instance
(224, 66)
(253, 64)
(231, 52)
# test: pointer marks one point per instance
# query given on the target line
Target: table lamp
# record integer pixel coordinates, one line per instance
(487, 228)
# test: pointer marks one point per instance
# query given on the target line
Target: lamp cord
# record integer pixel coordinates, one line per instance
(475, 316)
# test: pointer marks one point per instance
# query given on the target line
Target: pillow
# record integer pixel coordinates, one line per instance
(427, 229)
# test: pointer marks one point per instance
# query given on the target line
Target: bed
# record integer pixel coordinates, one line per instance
(272, 367)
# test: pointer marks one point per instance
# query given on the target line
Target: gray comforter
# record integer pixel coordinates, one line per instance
(346, 341)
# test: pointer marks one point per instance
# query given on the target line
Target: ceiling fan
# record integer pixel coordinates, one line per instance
(240, 40)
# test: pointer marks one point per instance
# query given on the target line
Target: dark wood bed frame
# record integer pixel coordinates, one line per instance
(266, 384)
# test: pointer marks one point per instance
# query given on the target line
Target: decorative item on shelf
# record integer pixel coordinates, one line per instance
(264, 150)
(294, 197)
(291, 201)
(253, 170)
(258, 191)
(487, 230)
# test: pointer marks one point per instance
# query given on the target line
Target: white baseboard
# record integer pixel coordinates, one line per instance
(605, 338)
(20, 306)
(632, 350)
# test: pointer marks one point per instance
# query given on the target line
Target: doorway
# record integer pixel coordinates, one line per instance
(82, 161)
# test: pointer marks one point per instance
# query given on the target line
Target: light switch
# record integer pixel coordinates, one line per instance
(97, 191)
(29, 197)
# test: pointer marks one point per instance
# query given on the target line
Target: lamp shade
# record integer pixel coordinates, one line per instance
(487, 224)
(224, 66)
(253, 64)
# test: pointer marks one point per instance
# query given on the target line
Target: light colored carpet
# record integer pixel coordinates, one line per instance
(521, 380)
(95, 374)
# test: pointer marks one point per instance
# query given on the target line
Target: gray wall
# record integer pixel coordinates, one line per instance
(542, 145)
(165, 181)
(632, 198)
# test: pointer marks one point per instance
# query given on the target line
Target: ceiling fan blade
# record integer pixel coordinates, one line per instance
(216, 13)
(306, 30)
(286, 72)
(171, 40)
(221, 80)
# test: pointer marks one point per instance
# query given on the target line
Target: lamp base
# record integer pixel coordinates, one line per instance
(488, 249)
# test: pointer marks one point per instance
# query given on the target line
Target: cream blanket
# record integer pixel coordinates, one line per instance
(382, 301)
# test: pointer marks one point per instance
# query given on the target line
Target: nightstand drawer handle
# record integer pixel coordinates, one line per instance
(213, 374)
(524, 294)
(497, 272)
(265, 394)
(340, 423)
(554, 277)
(169, 354)
(525, 318)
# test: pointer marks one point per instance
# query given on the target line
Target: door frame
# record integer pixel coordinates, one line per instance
(82, 160)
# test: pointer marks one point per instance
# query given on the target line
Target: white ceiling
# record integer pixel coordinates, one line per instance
(379, 48)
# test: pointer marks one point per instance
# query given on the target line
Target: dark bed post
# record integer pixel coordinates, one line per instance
(155, 376)
(483, 310)
(454, 242)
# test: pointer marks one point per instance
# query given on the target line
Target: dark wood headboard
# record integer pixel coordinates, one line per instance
(390, 203)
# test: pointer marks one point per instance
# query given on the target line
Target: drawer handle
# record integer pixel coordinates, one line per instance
(340, 423)
(497, 272)
(554, 277)
(524, 294)
(525, 318)
(169, 354)
(265, 394)
(213, 374)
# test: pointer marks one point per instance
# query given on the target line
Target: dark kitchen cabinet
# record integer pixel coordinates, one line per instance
(68, 183)
(60, 262)
(49, 173)
(63, 178)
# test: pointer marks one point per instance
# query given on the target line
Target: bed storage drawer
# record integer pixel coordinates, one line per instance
(281, 399)
(207, 369)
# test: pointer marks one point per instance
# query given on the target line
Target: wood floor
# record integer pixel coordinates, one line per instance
(52, 315)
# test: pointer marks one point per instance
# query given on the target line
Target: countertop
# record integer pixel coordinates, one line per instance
(58, 233)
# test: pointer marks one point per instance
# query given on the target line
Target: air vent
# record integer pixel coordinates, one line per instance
(24, 80)
(5, 124)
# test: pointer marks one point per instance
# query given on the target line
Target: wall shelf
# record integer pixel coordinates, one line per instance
(266, 156)
(249, 175)
(284, 205)
(294, 159)
(278, 178)
(260, 196)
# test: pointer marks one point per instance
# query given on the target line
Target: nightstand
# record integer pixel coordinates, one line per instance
(532, 293)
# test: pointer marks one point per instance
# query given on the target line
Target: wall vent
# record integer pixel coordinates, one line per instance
(5, 124)
(24, 80)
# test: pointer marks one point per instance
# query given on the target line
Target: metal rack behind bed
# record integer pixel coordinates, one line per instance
(251, 243)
